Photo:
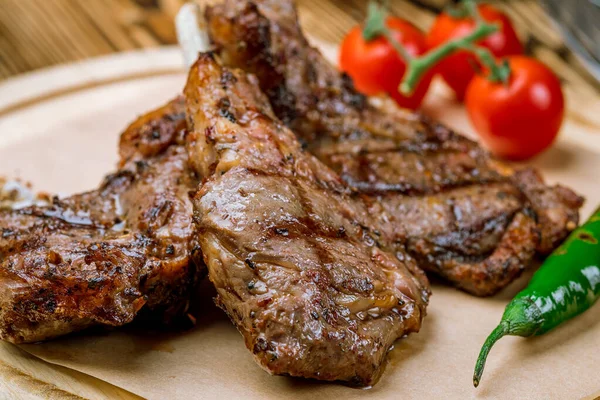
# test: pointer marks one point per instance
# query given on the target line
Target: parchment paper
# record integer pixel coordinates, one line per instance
(210, 361)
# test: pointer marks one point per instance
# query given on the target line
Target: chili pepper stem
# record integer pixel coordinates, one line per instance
(500, 331)
(522, 317)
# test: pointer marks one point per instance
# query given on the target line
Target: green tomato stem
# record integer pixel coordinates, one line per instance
(375, 27)
(498, 72)
(400, 49)
(419, 66)
(471, 8)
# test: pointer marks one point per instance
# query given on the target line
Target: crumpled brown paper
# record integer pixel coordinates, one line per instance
(210, 360)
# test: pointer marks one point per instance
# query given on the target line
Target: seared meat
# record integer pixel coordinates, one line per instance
(460, 213)
(301, 268)
(154, 133)
(556, 207)
(101, 256)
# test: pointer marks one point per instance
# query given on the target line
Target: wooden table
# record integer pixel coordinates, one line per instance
(40, 33)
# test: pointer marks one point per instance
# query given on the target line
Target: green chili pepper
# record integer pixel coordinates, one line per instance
(567, 284)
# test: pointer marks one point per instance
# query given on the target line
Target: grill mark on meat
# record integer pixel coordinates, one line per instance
(455, 240)
(325, 259)
(406, 189)
(307, 225)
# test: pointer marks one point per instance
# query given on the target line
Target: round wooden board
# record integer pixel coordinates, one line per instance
(59, 130)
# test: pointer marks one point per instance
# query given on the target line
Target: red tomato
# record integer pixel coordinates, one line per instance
(520, 119)
(458, 69)
(376, 67)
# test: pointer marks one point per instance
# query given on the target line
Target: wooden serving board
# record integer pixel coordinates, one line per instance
(59, 130)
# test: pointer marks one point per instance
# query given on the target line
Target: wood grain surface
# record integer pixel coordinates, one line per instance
(39, 33)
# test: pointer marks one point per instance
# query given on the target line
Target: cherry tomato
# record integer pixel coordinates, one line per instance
(375, 66)
(522, 118)
(458, 69)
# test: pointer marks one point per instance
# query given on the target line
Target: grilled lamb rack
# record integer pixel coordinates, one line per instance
(463, 215)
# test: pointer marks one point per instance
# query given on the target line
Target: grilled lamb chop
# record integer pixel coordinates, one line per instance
(102, 256)
(460, 213)
(300, 267)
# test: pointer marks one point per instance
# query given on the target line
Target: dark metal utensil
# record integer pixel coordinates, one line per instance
(579, 24)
